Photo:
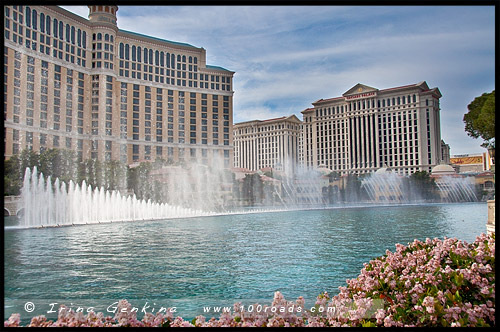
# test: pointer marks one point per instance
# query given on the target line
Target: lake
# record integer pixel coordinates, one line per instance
(193, 263)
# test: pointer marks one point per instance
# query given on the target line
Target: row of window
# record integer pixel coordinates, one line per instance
(38, 30)
(365, 104)
(147, 124)
(144, 59)
(162, 59)
(71, 37)
(43, 140)
(402, 124)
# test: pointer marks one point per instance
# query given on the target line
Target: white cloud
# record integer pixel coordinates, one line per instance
(258, 113)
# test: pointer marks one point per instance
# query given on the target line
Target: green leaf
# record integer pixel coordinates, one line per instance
(368, 324)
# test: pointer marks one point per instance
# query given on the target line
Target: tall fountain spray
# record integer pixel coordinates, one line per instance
(304, 186)
(197, 185)
(46, 204)
(390, 187)
(385, 186)
(456, 189)
(54, 203)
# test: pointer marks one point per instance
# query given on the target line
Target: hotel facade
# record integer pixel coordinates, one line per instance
(366, 129)
(270, 143)
(110, 94)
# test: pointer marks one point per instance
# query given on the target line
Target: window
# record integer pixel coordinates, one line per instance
(61, 27)
(28, 17)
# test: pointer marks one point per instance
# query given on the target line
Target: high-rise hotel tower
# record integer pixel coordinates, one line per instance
(110, 94)
(268, 143)
(367, 128)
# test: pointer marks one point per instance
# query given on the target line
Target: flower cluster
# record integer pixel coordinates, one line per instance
(433, 283)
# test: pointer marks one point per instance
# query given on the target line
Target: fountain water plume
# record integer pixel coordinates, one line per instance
(46, 204)
(56, 203)
(385, 186)
(456, 189)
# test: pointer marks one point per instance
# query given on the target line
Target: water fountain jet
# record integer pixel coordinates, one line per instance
(46, 206)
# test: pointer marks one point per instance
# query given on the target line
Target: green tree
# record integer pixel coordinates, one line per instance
(91, 170)
(253, 190)
(115, 175)
(422, 184)
(139, 180)
(480, 120)
(352, 190)
(12, 176)
(14, 170)
(59, 163)
(333, 176)
(28, 159)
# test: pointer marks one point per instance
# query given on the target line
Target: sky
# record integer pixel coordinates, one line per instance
(286, 57)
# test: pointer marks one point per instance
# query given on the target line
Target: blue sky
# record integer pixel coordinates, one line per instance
(287, 57)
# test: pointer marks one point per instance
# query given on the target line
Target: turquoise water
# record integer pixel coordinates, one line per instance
(196, 262)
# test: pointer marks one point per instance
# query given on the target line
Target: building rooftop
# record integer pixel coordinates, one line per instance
(423, 85)
(443, 169)
(401, 87)
(290, 117)
(158, 39)
(217, 67)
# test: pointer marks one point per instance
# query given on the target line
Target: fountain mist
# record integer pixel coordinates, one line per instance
(58, 205)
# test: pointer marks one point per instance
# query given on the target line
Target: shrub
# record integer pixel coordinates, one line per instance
(433, 283)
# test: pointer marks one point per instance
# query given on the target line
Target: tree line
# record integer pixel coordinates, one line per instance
(63, 164)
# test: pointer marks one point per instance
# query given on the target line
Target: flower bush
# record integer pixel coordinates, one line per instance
(433, 283)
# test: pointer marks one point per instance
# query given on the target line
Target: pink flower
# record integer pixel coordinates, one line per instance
(13, 321)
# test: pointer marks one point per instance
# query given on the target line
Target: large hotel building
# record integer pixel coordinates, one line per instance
(110, 94)
(267, 143)
(367, 128)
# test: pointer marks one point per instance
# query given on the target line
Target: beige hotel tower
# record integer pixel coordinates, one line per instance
(267, 143)
(110, 94)
(366, 129)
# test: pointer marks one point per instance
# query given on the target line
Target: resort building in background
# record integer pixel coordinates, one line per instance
(367, 128)
(445, 152)
(270, 143)
(471, 162)
(110, 94)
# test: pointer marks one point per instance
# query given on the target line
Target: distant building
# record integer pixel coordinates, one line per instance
(486, 182)
(471, 163)
(110, 94)
(445, 153)
(367, 128)
(270, 143)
